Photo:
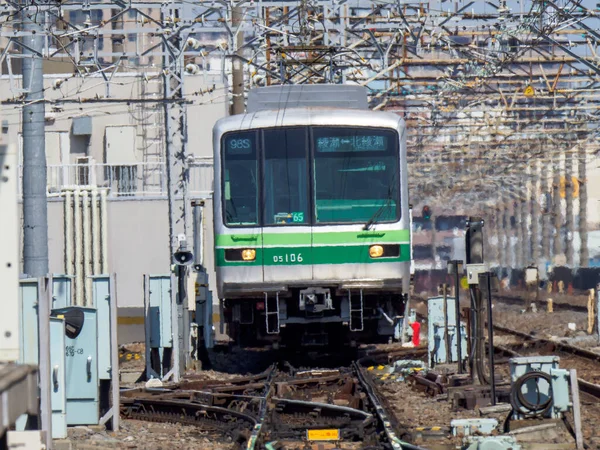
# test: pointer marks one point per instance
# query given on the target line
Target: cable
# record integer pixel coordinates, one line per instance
(521, 404)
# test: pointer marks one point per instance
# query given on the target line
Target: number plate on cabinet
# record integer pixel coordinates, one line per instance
(323, 435)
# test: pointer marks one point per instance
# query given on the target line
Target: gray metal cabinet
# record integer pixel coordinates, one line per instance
(81, 352)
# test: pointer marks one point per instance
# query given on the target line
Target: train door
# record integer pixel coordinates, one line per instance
(287, 252)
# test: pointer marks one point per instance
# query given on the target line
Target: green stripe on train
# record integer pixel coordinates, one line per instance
(318, 238)
(290, 256)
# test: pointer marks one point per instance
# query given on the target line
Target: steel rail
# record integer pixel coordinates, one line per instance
(394, 440)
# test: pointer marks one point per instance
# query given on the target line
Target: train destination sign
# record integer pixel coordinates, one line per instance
(351, 144)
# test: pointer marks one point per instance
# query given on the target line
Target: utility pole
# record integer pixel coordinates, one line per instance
(546, 178)
(584, 256)
(524, 232)
(556, 245)
(509, 233)
(498, 219)
(535, 214)
(569, 219)
(35, 207)
(519, 231)
(237, 72)
(177, 165)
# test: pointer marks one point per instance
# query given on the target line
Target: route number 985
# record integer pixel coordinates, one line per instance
(288, 258)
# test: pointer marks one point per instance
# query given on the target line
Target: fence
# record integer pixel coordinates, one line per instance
(137, 180)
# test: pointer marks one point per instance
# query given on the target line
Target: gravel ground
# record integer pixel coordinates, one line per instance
(143, 435)
(411, 408)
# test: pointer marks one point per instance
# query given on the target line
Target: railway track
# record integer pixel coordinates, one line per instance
(557, 305)
(281, 408)
(586, 362)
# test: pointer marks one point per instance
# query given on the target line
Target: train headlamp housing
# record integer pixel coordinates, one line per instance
(237, 254)
(376, 251)
(248, 254)
(384, 251)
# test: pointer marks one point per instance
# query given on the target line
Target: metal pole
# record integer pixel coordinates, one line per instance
(237, 73)
(500, 232)
(176, 129)
(520, 238)
(177, 337)
(197, 207)
(44, 302)
(556, 245)
(569, 220)
(35, 207)
(546, 218)
(584, 256)
(183, 319)
(488, 288)
(433, 245)
(446, 331)
(535, 215)
(114, 354)
(598, 310)
(457, 312)
(524, 233)
(506, 234)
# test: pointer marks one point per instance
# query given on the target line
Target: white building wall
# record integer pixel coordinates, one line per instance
(138, 234)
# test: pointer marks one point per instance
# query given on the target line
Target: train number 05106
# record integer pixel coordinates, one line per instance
(288, 258)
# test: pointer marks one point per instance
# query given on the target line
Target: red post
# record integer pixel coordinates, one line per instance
(416, 328)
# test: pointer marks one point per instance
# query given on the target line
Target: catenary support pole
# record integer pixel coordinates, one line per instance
(569, 219)
(535, 215)
(524, 248)
(35, 207)
(584, 255)
(237, 72)
(556, 212)
(500, 232)
(519, 231)
(546, 217)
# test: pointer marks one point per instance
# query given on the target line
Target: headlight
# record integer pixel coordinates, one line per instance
(248, 254)
(375, 251)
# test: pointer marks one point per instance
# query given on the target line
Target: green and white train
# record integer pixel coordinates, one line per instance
(311, 218)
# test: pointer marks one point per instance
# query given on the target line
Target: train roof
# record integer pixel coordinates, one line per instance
(309, 116)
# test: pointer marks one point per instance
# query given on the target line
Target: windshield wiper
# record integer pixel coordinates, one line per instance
(375, 217)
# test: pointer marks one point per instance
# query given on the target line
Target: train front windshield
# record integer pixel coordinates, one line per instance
(353, 173)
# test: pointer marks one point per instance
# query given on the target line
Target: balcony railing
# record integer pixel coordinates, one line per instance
(137, 180)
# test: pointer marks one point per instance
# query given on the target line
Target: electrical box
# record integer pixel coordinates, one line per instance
(101, 299)
(120, 145)
(30, 355)
(158, 306)
(493, 443)
(159, 311)
(61, 291)
(560, 391)
(58, 381)
(436, 331)
(536, 390)
(81, 352)
(82, 126)
(473, 271)
(28, 326)
(469, 427)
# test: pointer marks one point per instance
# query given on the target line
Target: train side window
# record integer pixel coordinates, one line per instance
(240, 179)
(285, 176)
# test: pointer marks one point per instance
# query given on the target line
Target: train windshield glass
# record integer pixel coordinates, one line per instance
(356, 175)
(240, 178)
(285, 176)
